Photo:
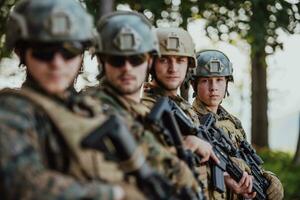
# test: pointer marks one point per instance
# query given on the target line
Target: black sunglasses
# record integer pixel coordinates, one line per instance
(119, 61)
(46, 52)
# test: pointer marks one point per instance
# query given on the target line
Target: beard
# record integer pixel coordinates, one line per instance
(124, 89)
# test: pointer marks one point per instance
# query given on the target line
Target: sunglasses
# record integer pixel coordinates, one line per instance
(46, 52)
(119, 61)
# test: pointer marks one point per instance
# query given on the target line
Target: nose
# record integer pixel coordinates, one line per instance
(127, 66)
(212, 85)
(171, 65)
(57, 61)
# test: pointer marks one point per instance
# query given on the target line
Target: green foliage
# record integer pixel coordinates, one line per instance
(281, 164)
(256, 21)
(5, 6)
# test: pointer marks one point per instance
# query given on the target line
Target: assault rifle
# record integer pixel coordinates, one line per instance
(114, 140)
(224, 148)
(162, 117)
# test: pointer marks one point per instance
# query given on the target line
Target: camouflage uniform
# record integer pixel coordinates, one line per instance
(152, 93)
(228, 123)
(134, 113)
(233, 128)
(40, 134)
(36, 158)
(214, 63)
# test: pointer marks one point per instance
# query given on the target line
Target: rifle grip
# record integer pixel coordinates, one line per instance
(218, 179)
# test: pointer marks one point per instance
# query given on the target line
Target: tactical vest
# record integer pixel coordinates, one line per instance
(84, 164)
(187, 108)
(161, 158)
(229, 124)
(150, 96)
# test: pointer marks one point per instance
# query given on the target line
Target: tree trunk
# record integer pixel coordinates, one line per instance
(259, 99)
(296, 160)
(105, 7)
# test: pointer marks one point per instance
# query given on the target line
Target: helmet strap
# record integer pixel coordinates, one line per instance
(226, 90)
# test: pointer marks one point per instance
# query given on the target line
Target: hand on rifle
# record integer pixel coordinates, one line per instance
(200, 147)
(243, 187)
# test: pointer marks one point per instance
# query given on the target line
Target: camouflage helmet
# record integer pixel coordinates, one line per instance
(48, 21)
(213, 63)
(178, 42)
(125, 33)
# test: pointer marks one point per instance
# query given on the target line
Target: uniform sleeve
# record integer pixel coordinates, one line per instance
(167, 163)
(24, 174)
(148, 102)
(239, 126)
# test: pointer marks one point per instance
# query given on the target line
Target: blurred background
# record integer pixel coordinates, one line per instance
(262, 40)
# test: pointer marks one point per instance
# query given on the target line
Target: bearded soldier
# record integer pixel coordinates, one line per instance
(39, 132)
(210, 83)
(126, 45)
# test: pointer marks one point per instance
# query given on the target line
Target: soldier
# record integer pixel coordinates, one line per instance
(168, 73)
(125, 48)
(210, 83)
(170, 70)
(39, 132)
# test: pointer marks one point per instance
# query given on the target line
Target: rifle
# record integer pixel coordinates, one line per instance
(114, 140)
(223, 148)
(163, 118)
(254, 161)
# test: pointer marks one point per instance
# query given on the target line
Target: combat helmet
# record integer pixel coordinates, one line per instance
(213, 63)
(48, 21)
(123, 33)
(178, 42)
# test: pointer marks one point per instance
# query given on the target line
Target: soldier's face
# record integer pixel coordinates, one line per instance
(127, 74)
(54, 73)
(170, 71)
(211, 90)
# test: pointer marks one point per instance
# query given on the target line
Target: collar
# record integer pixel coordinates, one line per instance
(202, 109)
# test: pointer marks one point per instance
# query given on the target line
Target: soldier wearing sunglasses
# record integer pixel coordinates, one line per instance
(40, 132)
(126, 45)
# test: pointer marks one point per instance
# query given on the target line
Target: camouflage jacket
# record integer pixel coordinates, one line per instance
(228, 123)
(233, 128)
(160, 158)
(152, 93)
(34, 158)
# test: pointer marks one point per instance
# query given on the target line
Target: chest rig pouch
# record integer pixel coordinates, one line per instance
(84, 164)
